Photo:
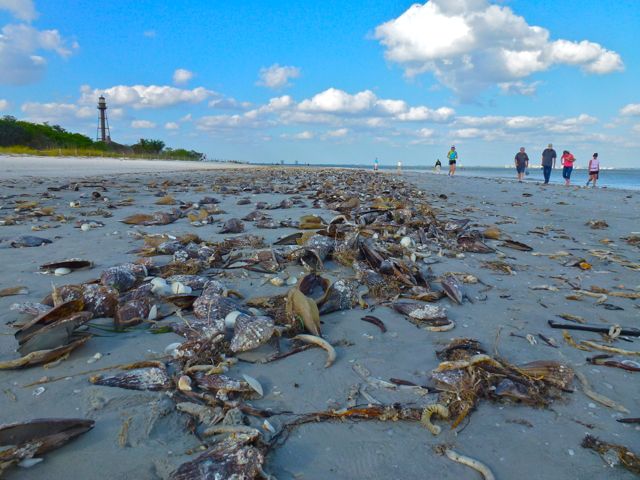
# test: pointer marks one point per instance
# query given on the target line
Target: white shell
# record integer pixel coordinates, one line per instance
(184, 383)
(292, 280)
(253, 383)
(30, 462)
(180, 288)
(268, 427)
(58, 272)
(406, 242)
(276, 281)
(95, 358)
(153, 313)
(85, 227)
(230, 319)
(159, 286)
(172, 348)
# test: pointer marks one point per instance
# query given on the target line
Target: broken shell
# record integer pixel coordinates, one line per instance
(231, 318)
(85, 227)
(276, 281)
(159, 286)
(58, 272)
(148, 378)
(184, 383)
(172, 348)
(341, 295)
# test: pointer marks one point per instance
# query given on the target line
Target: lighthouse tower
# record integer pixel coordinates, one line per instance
(103, 134)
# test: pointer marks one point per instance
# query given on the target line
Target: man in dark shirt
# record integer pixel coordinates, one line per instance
(548, 162)
(522, 162)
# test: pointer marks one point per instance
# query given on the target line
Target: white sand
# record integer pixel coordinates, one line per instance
(15, 166)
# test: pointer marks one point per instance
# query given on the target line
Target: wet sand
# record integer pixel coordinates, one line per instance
(515, 441)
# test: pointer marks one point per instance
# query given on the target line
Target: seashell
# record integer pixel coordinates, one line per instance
(123, 277)
(153, 313)
(181, 301)
(184, 383)
(516, 245)
(95, 358)
(268, 427)
(147, 378)
(171, 349)
(231, 318)
(44, 356)
(24, 241)
(57, 313)
(253, 383)
(229, 458)
(233, 225)
(314, 286)
(195, 282)
(452, 288)
(59, 272)
(71, 264)
(277, 281)
(342, 295)
(492, 232)
(406, 242)
(301, 308)
(132, 313)
(322, 245)
(85, 227)
(421, 312)
(159, 286)
(19, 290)
(222, 383)
(180, 288)
(322, 343)
(100, 300)
(292, 281)
(54, 335)
(205, 415)
(251, 332)
(215, 306)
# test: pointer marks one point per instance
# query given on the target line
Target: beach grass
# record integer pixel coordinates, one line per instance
(82, 152)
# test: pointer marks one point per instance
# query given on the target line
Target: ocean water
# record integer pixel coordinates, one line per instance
(626, 178)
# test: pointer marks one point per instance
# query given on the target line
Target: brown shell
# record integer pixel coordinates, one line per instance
(100, 300)
(53, 335)
(57, 313)
(216, 382)
(251, 332)
(148, 378)
(228, 459)
(132, 312)
(233, 225)
(123, 277)
(342, 295)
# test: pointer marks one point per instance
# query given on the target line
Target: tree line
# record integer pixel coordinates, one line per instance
(18, 135)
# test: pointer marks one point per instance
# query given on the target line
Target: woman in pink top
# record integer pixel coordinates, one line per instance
(567, 166)
(594, 169)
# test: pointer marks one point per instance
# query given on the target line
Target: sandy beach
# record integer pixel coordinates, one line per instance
(572, 268)
(21, 166)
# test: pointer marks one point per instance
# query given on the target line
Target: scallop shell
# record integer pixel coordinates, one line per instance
(148, 378)
(251, 332)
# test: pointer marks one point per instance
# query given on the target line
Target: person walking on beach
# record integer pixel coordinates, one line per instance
(399, 167)
(438, 165)
(594, 170)
(453, 157)
(567, 166)
(522, 163)
(375, 165)
(548, 162)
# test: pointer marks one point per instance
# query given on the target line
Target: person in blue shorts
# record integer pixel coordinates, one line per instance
(522, 163)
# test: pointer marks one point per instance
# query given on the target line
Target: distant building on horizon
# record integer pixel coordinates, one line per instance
(103, 133)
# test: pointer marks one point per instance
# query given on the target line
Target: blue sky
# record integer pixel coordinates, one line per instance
(334, 81)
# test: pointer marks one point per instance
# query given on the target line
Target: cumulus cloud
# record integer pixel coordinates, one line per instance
(306, 135)
(276, 76)
(171, 126)
(182, 76)
(20, 48)
(143, 124)
(4, 104)
(20, 9)
(470, 45)
(519, 88)
(338, 133)
(630, 110)
(55, 112)
(228, 103)
(145, 96)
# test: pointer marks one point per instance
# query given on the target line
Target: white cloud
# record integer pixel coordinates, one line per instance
(228, 103)
(55, 112)
(145, 96)
(306, 135)
(423, 114)
(339, 133)
(468, 133)
(4, 104)
(150, 33)
(19, 44)
(182, 76)
(630, 110)
(519, 88)
(21, 9)
(171, 126)
(470, 45)
(276, 76)
(333, 100)
(143, 124)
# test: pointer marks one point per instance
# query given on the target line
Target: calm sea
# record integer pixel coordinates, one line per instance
(627, 178)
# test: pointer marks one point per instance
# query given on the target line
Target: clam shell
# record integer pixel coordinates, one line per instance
(233, 225)
(123, 277)
(196, 282)
(59, 272)
(251, 332)
(453, 288)
(149, 378)
(132, 312)
(215, 306)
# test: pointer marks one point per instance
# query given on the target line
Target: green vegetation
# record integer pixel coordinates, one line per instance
(20, 137)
